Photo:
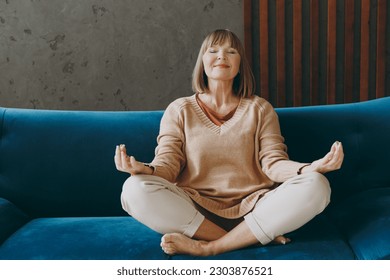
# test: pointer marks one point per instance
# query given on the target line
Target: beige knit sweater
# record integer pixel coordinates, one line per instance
(227, 168)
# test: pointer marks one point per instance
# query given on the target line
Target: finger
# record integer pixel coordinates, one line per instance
(337, 160)
(117, 158)
(117, 153)
(341, 148)
(123, 148)
(333, 153)
(340, 156)
(125, 161)
(328, 157)
(137, 166)
(333, 162)
(333, 149)
(339, 153)
(133, 161)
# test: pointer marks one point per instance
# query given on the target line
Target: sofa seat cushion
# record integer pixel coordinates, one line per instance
(317, 240)
(365, 220)
(111, 238)
(124, 238)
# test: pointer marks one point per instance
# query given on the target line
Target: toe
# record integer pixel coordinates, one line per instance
(166, 238)
(281, 240)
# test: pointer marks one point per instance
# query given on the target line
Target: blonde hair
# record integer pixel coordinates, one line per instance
(244, 82)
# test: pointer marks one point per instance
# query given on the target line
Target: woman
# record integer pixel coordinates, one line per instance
(221, 178)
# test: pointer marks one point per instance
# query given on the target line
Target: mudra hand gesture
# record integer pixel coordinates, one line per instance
(129, 164)
(330, 162)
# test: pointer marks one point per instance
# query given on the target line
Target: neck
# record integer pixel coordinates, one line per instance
(221, 92)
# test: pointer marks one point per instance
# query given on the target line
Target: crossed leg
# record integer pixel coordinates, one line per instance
(191, 233)
(310, 193)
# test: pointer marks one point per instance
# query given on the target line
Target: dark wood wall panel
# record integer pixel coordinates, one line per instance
(297, 52)
(314, 53)
(263, 51)
(309, 52)
(331, 52)
(349, 49)
(280, 52)
(381, 49)
(364, 49)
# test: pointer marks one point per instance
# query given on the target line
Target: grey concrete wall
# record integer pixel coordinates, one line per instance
(104, 54)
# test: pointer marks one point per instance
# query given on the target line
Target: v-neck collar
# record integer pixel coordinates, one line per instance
(211, 125)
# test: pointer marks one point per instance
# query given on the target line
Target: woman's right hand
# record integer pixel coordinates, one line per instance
(129, 164)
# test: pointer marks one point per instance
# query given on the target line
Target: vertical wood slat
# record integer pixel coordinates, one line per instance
(331, 53)
(381, 49)
(314, 50)
(364, 48)
(297, 53)
(247, 5)
(264, 51)
(364, 65)
(280, 53)
(349, 15)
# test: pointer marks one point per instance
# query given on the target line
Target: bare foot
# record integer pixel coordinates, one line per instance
(281, 240)
(177, 243)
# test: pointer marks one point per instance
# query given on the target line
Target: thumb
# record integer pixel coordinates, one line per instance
(132, 160)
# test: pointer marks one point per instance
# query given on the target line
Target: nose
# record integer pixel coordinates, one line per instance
(221, 55)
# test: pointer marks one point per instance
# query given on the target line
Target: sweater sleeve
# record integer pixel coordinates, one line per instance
(169, 154)
(273, 155)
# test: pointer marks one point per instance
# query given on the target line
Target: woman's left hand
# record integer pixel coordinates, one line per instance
(330, 162)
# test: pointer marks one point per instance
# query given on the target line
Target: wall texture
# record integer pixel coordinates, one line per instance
(104, 54)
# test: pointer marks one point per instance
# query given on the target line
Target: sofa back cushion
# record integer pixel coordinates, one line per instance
(364, 130)
(61, 163)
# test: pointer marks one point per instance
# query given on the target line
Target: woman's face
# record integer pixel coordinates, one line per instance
(221, 62)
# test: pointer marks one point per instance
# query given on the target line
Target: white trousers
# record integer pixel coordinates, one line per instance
(166, 208)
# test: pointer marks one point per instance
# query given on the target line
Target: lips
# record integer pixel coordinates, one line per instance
(222, 66)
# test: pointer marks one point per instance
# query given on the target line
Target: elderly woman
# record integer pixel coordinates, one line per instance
(221, 178)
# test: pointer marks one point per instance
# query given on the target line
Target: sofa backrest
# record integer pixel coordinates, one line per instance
(364, 130)
(60, 163)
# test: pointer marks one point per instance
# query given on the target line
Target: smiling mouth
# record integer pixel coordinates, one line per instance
(222, 66)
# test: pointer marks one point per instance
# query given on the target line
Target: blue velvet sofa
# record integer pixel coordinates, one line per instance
(59, 189)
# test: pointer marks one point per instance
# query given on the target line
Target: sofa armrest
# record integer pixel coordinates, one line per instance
(11, 219)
